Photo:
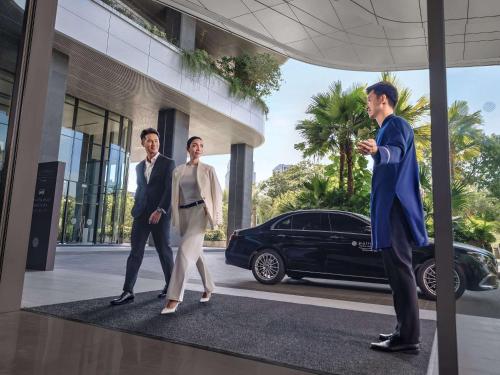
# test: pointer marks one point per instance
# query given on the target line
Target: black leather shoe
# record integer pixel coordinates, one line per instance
(163, 293)
(124, 298)
(395, 346)
(386, 336)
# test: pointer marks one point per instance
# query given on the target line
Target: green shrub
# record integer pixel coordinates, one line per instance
(215, 235)
(474, 231)
(127, 12)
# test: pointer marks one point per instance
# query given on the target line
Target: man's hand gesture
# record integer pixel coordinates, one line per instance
(367, 147)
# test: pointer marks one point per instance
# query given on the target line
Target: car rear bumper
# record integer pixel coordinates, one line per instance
(234, 258)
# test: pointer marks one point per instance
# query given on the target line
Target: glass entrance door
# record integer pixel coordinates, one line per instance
(95, 145)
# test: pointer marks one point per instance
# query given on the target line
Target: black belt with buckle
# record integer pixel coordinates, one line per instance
(192, 204)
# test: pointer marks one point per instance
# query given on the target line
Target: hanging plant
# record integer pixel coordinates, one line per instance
(249, 77)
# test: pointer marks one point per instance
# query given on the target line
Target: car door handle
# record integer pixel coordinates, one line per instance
(335, 237)
(281, 235)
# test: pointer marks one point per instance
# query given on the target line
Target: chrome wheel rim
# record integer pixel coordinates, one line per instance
(267, 266)
(430, 280)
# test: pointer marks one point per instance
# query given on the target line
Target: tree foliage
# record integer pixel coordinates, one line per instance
(290, 180)
(337, 117)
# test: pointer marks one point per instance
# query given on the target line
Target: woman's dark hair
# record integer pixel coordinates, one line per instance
(190, 140)
(387, 89)
(147, 131)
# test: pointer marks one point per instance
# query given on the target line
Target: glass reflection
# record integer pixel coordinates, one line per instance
(95, 146)
(11, 32)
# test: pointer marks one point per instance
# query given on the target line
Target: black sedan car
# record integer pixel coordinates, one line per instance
(331, 244)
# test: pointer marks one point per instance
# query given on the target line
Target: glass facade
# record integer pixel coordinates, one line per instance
(95, 145)
(11, 33)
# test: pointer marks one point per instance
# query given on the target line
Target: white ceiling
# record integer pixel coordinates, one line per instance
(368, 35)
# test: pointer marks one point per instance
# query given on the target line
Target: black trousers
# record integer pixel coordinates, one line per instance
(139, 236)
(398, 266)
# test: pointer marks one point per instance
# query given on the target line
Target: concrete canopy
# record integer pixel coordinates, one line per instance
(366, 35)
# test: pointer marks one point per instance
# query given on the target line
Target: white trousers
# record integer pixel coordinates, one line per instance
(193, 222)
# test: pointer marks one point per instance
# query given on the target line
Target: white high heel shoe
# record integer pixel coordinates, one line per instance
(170, 310)
(207, 298)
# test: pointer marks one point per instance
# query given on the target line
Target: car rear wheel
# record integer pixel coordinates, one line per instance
(426, 280)
(268, 267)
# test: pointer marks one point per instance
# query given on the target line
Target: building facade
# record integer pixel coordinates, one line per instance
(117, 68)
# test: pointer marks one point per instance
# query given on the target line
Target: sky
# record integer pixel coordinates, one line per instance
(478, 86)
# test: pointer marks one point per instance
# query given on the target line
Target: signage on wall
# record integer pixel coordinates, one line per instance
(44, 221)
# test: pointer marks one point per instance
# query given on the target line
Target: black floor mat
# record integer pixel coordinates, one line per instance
(317, 339)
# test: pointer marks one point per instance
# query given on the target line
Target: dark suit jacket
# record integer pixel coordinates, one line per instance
(158, 192)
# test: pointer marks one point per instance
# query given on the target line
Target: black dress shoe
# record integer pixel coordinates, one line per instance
(163, 293)
(395, 345)
(124, 298)
(385, 336)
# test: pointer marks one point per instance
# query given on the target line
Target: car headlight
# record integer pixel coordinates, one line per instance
(490, 262)
(479, 257)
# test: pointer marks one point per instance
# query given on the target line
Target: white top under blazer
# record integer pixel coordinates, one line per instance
(209, 189)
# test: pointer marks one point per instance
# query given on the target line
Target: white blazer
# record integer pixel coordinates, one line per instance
(210, 191)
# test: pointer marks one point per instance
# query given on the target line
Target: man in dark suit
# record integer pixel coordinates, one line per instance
(396, 212)
(151, 213)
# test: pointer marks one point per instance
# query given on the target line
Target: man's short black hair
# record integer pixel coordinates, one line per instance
(147, 131)
(386, 88)
(190, 140)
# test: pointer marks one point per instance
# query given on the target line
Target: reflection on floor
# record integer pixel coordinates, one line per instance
(36, 344)
(82, 274)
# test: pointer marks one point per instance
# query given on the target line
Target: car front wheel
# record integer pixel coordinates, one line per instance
(426, 280)
(268, 267)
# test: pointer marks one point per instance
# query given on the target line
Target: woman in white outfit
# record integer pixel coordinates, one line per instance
(196, 204)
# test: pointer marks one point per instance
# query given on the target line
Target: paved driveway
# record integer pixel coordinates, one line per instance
(112, 261)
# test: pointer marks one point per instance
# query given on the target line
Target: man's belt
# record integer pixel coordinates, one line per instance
(192, 204)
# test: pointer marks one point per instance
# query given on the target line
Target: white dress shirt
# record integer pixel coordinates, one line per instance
(149, 166)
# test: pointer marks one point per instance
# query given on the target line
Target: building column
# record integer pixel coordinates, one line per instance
(173, 126)
(27, 122)
(54, 107)
(50, 178)
(240, 188)
(441, 190)
(180, 28)
(187, 33)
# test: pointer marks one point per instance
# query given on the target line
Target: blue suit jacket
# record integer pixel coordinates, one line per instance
(158, 192)
(395, 175)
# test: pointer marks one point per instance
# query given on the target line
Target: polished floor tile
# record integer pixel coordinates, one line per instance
(37, 344)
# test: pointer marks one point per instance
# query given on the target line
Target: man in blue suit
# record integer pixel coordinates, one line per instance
(396, 212)
(151, 213)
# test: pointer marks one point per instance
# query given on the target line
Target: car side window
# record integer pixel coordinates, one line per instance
(311, 221)
(347, 223)
(284, 224)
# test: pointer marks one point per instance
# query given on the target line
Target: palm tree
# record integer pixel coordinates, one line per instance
(336, 116)
(413, 113)
(317, 193)
(465, 135)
